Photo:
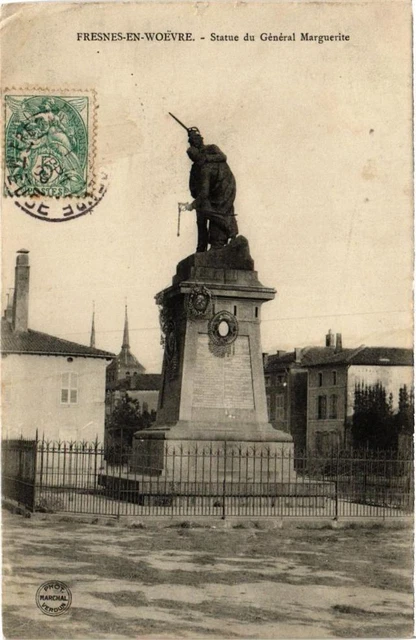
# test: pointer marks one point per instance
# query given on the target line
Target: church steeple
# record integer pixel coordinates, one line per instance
(126, 338)
(92, 338)
(126, 364)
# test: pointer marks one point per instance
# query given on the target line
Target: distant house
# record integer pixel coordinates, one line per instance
(286, 381)
(332, 379)
(48, 384)
(310, 391)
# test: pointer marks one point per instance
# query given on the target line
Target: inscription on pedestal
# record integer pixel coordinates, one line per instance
(223, 383)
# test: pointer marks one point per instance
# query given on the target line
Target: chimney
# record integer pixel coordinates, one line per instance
(298, 355)
(265, 359)
(329, 339)
(338, 346)
(21, 292)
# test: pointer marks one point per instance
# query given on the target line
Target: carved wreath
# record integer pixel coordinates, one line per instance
(223, 328)
(199, 302)
(164, 317)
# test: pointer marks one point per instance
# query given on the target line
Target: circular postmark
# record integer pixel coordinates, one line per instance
(60, 209)
(53, 598)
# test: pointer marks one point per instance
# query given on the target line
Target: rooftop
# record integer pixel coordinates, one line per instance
(371, 356)
(127, 359)
(307, 355)
(320, 356)
(37, 343)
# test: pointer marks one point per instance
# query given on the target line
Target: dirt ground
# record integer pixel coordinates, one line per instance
(182, 581)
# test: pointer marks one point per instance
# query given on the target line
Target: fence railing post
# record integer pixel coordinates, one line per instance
(336, 487)
(95, 464)
(42, 447)
(224, 485)
(35, 458)
(120, 462)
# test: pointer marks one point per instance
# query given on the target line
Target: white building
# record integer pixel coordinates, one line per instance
(48, 384)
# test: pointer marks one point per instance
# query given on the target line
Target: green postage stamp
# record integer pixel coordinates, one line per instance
(49, 144)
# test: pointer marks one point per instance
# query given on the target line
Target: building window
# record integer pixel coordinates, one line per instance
(320, 379)
(267, 381)
(280, 406)
(321, 407)
(334, 378)
(69, 388)
(280, 379)
(333, 406)
(268, 407)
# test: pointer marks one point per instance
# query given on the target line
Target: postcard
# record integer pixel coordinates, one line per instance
(207, 348)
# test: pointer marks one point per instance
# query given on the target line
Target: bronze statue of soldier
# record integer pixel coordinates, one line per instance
(212, 185)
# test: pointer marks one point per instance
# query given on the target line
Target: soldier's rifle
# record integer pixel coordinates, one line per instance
(182, 206)
(179, 122)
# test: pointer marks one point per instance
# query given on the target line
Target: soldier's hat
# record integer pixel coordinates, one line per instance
(194, 130)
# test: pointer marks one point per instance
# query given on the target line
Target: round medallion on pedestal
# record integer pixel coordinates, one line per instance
(199, 302)
(223, 328)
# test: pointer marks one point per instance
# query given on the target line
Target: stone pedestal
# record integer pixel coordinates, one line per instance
(212, 381)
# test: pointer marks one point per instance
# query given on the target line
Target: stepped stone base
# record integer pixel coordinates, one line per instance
(203, 461)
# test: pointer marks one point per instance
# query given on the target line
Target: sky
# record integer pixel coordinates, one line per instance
(318, 138)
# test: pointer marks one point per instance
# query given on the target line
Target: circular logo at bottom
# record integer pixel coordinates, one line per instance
(53, 598)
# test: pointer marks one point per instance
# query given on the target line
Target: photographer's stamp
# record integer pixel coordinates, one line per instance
(54, 598)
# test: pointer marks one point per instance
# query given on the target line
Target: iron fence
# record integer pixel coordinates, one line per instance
(18, 470)
(211, 480)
